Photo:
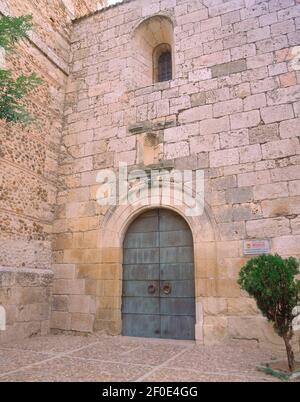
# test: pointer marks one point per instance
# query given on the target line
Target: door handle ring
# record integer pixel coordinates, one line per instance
(167, 289)
(151, 289)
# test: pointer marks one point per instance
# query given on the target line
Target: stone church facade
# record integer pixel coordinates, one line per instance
(231, 109)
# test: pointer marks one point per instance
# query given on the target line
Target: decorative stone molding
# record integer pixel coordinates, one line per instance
(114, 227)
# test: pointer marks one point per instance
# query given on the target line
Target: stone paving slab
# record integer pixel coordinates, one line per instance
(182, 375)
(230, 359)
(13, 359)
(52, 344)
(101, 357)
(77, 370)
(145, 354)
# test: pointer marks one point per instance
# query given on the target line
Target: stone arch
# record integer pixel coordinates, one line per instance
(114, 226)
(149, 34)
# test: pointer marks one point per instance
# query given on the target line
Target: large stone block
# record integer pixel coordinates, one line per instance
(247, 212)
(243, 306)
(253, 178)
(264, 133)
(234, 139)
(239, 195)
(60, 303)
(277, 113)
(260, 60)
(266, 228)
(290, 128)
(224, 158)
(213, 126)
(204, 143)
(196, 114)
(232, 231)
(294, 188)
(27, 295)
(255, 102)
(227, 107)
(181, 133)
(287, 245)
(33, 312)
(270, 191)
(255, 329)
(264, 85)
(258, 34)
(250, 153)
(69, 287)
(79, 304)
(198, 99)
(215, 330)
(283, 96)
(295, 226)
(176, 150)
(245, 119)
(223, 183)
(280, 149)
(229, 68)
(215, 306)
(60, 320)
(281, 207)
(7, 277)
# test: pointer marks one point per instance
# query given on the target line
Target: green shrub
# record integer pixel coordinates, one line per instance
(14, 90)
(271, 280)
(12, 29)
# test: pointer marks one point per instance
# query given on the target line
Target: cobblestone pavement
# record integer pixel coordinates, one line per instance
(106, 358)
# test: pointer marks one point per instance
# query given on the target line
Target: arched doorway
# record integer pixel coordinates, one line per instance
(158, 297)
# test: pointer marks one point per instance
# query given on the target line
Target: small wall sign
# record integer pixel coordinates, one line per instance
(256, 247)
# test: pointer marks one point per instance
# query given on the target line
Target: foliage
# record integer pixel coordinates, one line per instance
(271, 280)
(11, 92)
(14, 90)
(12, 29)
(278, 374)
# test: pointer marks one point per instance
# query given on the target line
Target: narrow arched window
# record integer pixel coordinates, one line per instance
(165, 67)
(162, 63)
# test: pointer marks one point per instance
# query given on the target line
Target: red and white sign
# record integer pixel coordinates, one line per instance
(256, 247)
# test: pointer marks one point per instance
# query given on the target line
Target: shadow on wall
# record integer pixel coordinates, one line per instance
(153, 38)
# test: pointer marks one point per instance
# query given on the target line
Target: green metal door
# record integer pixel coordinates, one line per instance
(158, 277)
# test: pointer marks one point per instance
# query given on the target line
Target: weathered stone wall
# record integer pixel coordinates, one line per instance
(232, 109)
(26, 297)
(29, 159)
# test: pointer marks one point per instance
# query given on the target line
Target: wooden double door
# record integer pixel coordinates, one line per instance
(158, 277)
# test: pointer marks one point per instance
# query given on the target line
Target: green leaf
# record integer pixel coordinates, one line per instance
(12, 29)
(272, 281)
(14, 90)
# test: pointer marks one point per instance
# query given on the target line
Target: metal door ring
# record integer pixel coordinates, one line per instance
(151, 289)
(167, 289)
